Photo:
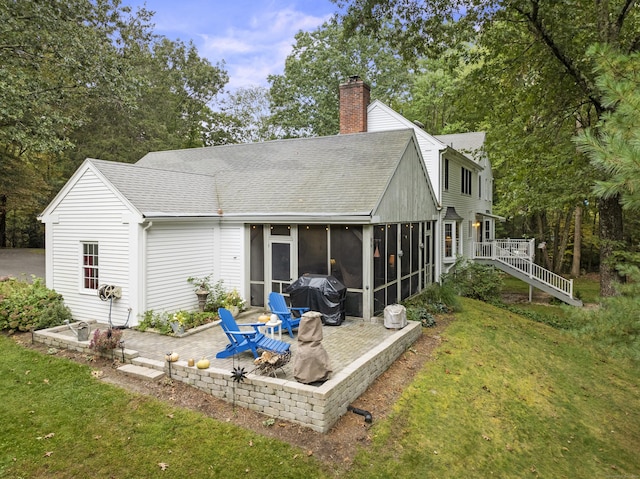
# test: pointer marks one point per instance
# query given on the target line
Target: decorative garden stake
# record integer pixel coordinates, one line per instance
(238, 375)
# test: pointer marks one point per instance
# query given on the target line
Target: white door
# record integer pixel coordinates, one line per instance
(280, 260)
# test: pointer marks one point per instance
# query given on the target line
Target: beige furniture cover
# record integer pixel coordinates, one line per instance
(311, 361)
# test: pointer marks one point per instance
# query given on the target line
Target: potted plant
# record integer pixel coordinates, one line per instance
(233, 302)
(178, 321)
(202, 289)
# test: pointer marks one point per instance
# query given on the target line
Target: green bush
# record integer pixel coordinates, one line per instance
(614, 327)
(474, 280)
(435, 299)
(25, 306)
(161, 322)
(217, 293)
(420, 313)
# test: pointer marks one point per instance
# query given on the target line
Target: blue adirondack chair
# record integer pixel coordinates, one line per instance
(278, 306)
(240, 341)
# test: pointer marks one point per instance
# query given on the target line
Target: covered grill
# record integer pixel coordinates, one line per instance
(321, 293)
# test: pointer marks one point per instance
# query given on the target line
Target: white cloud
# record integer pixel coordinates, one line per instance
(253, 37)
(258, 48)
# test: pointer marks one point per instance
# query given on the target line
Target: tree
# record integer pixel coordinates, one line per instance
(428, 26)
(245, 117)
(174, 88)
(305, 98)
(613, 145)
(88, 78)
(52, 56)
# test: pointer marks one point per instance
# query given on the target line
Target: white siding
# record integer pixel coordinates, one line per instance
(231, 258)
(176, 251)
(91, 211)
(383, 119)
(465, 205)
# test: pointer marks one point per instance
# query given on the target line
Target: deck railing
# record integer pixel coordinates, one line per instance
(519, 255)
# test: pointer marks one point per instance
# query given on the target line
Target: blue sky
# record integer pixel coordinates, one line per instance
(253, 37)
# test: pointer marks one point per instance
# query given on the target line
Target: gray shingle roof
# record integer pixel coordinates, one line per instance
(327, 175)
(336, 175)
(162, 192)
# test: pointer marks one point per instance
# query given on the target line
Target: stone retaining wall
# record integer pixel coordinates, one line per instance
(315, 407)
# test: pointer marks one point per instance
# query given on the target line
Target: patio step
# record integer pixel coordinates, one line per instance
(140, 372)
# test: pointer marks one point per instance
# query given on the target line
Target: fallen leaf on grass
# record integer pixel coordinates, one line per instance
(250, 443)
(48, 453)
(46, 381)
(486, 438)
(97, 373)
(163, 466)
(309, 453)
(170, 416)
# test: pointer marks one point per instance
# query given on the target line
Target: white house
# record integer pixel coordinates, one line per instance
(462, 179)
(383, 206)
(359, 207)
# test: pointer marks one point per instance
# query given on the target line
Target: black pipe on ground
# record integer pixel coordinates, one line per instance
(367, 415)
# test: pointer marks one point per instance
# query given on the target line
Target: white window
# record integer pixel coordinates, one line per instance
(465, 180)
(90, 266)
(451, 240)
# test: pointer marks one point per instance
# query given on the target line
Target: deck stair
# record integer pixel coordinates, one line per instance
(515, 257)
(140, 372)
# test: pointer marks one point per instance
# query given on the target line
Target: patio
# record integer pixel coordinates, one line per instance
(359, 352)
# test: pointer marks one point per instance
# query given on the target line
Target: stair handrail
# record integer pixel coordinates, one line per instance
(523, 264)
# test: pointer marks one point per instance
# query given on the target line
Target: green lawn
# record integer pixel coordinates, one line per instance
(59, 422)
(503, 397)
(507, 397)
(586, 288)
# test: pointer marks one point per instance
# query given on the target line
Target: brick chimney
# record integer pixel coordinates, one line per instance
(354, 99)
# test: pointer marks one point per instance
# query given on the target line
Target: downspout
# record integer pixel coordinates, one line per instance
(143, 270)
(438, 231)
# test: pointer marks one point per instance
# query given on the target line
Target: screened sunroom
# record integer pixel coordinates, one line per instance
(396, 263)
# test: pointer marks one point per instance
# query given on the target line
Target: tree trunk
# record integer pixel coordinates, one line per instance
(555, 251)
(3, 221)
(558, 260)
(577, 242)
(542, 226)
(610, 240)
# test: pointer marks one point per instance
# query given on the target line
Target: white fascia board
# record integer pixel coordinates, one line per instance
(407, 123)
(87, 165)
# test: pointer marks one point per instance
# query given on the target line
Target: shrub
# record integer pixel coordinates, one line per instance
(217, 293)
(420, 313)
(474, 280)
(435, 299)
(25, 306)
(157, 321)
(105, 340)
(161, 322)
